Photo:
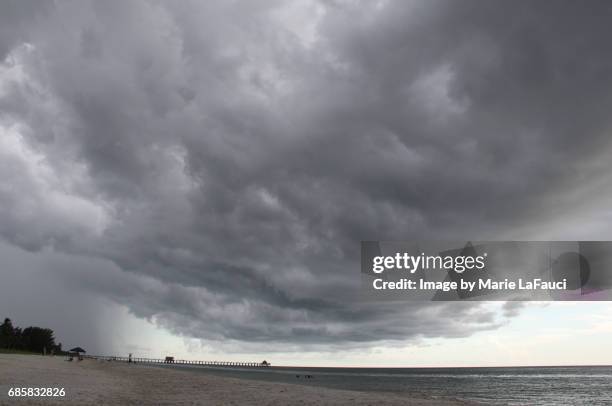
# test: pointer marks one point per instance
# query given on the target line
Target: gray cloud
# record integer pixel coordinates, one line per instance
(223, 169)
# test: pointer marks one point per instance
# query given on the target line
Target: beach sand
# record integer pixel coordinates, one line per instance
(91, 382)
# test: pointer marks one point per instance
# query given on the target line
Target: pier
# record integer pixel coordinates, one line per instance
(172, 361)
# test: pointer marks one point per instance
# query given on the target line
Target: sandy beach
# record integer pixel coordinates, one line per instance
(92, 382)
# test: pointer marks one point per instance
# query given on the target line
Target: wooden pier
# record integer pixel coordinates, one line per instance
(162, 361)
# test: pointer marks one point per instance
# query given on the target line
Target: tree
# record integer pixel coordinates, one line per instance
(16, 344)
(7, 334)
(36, 338)
(58, 348)
(32, 339)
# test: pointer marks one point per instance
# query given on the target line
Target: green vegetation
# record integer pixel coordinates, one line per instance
(30, 340)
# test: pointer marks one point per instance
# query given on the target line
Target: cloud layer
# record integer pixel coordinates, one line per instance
(214, 165)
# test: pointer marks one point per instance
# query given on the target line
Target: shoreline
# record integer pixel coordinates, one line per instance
(94, 382)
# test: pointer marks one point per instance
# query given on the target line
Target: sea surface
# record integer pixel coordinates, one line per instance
(497, 386)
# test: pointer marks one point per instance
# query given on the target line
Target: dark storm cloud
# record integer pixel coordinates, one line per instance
(224, 167)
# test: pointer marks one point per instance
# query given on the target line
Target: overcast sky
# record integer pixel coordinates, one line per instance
(206, 170)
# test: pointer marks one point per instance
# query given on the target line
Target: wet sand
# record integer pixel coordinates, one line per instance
(91, 382)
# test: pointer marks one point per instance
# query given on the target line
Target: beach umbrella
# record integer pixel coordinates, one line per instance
(77, 349)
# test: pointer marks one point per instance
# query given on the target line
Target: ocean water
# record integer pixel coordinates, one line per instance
(497, 386)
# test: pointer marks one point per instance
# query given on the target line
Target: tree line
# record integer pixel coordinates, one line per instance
(32, 339)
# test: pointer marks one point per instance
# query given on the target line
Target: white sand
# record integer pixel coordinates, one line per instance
(91, 382)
